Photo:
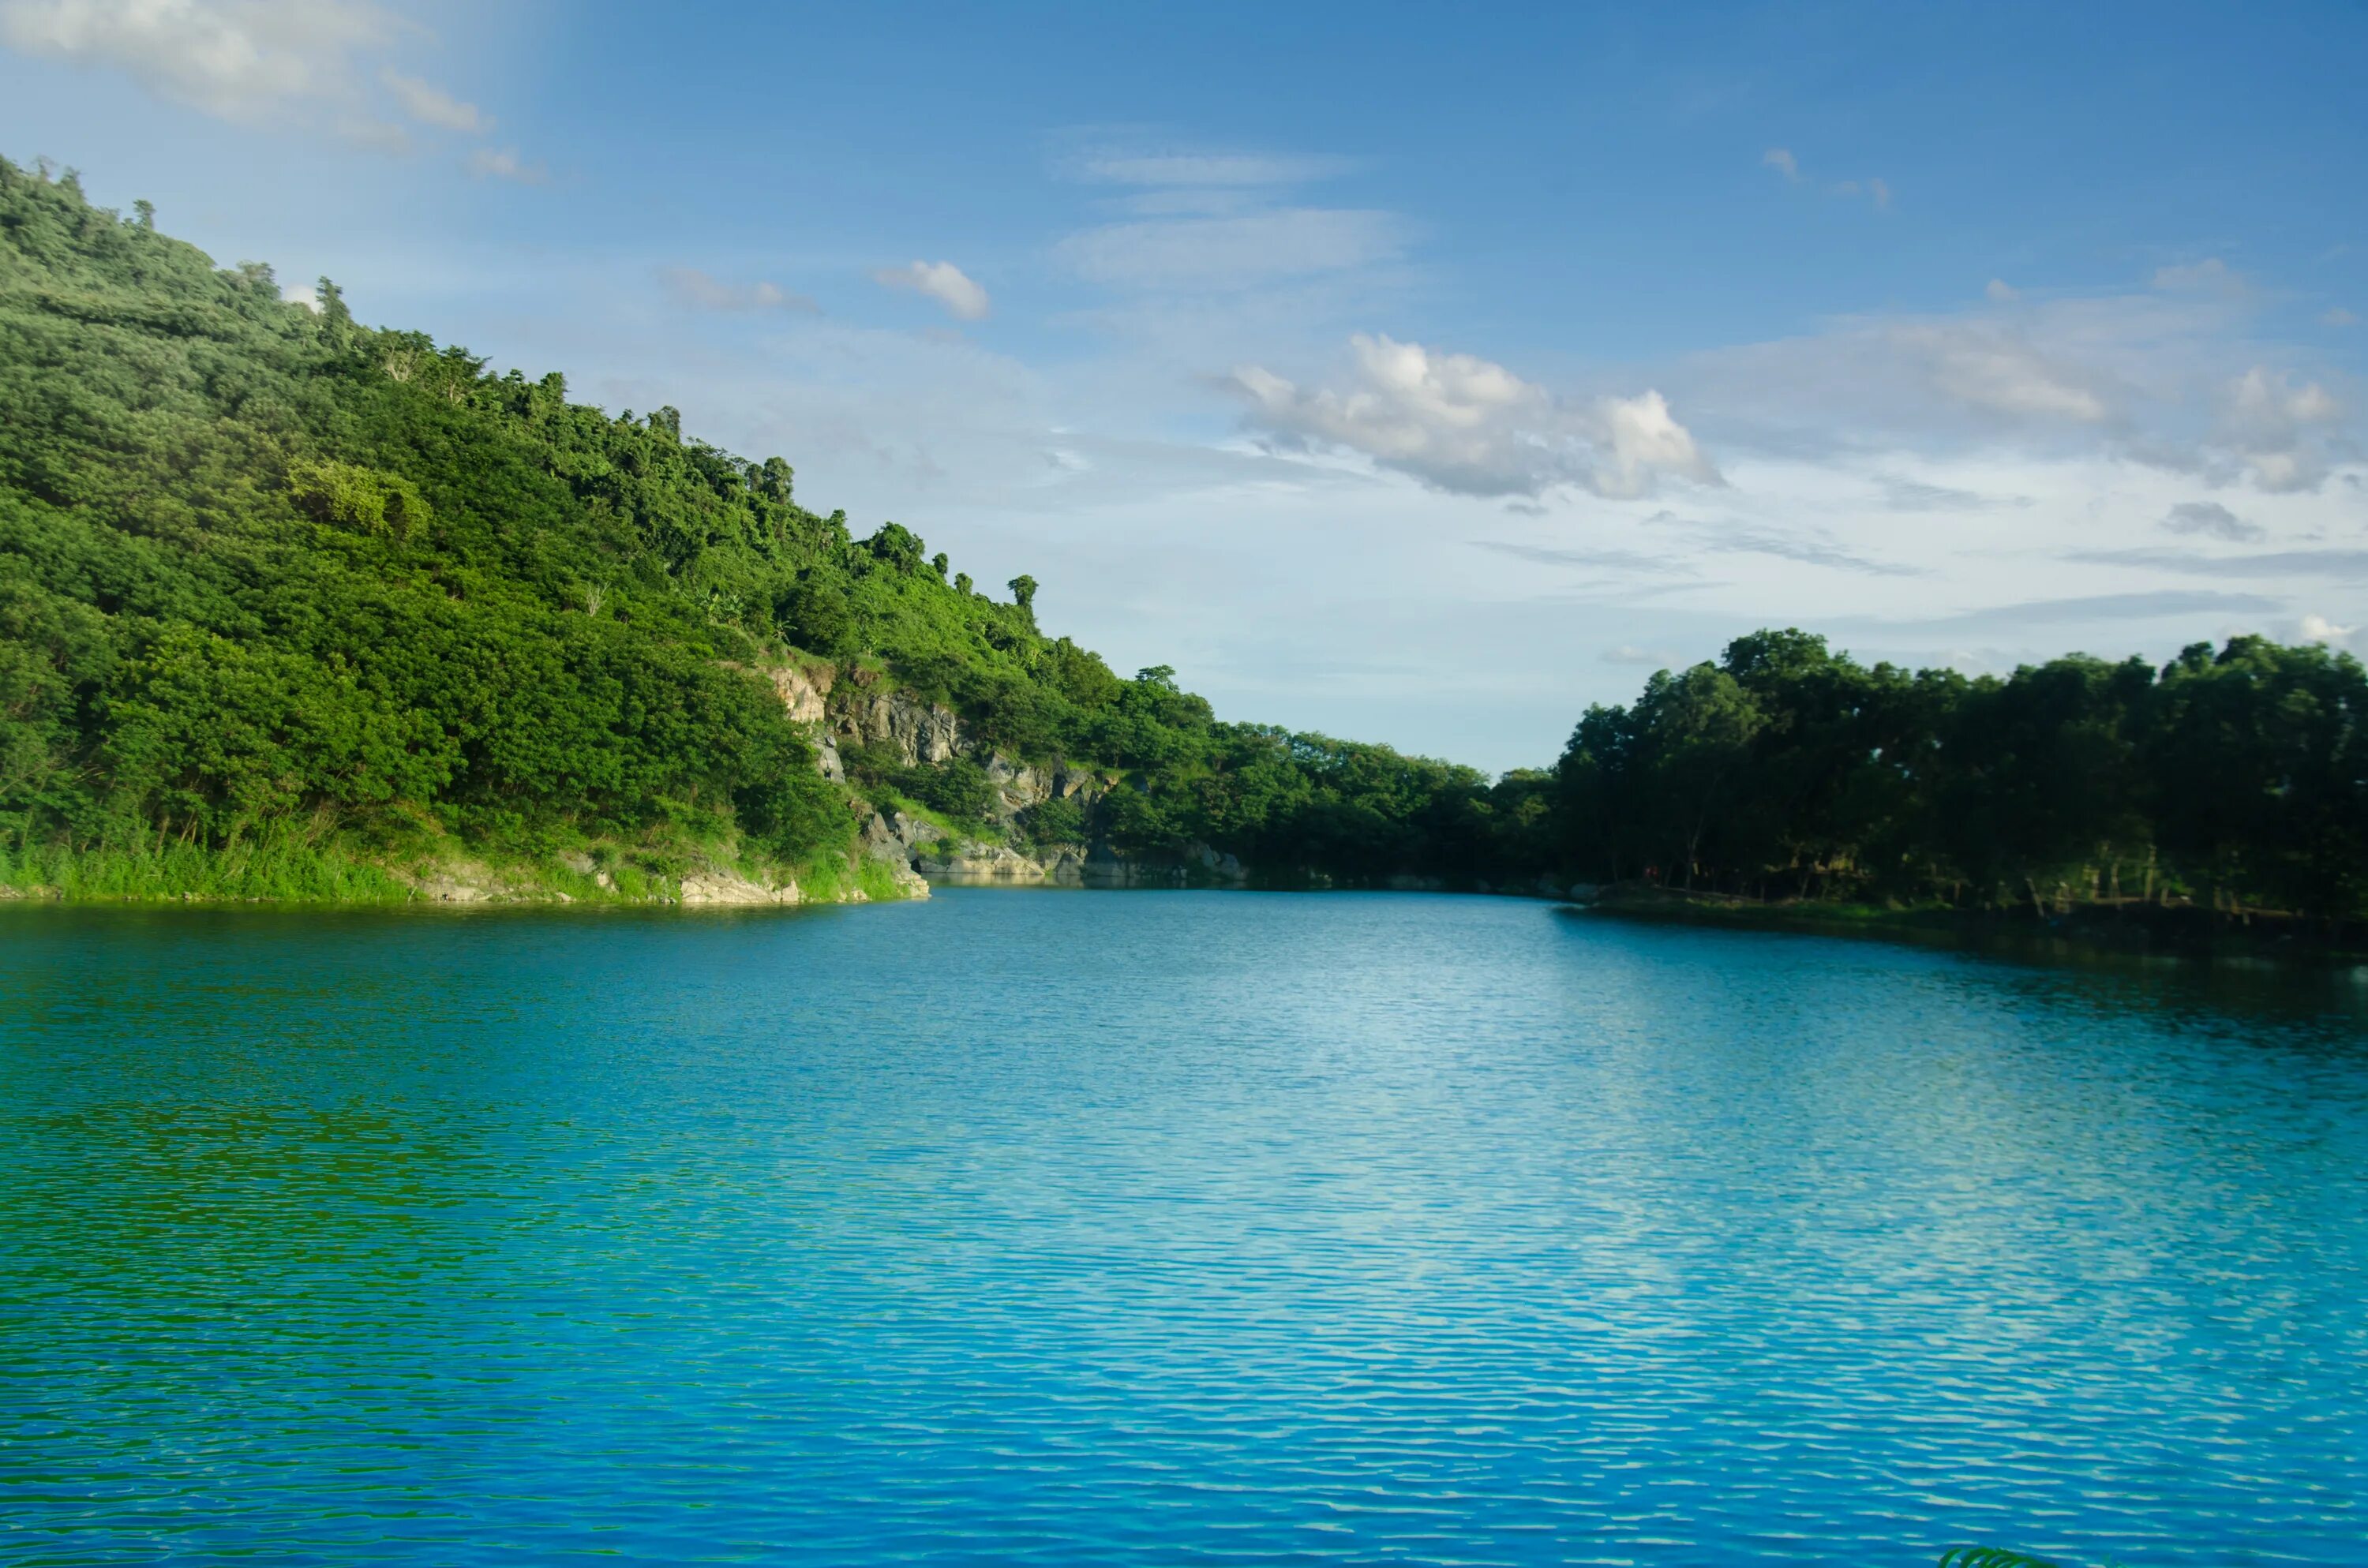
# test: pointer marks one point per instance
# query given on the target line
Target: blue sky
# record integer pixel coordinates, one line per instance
(1419, 374)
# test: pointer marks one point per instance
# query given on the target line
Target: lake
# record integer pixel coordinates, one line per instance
(1042, 1227)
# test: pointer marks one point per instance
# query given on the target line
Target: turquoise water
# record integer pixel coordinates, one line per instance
(1175, 1227)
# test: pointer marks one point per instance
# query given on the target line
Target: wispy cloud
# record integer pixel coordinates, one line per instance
(702, 291)
(1198, 252)
(1587, 557)
(2175, 380)
(2210, 518)
(1204, 169)
(239, 60)
(1786, 163)
(1909, 495)
(1796, 544)
(2330, 566)
(2211, 275)
(2168, 604)
(1999, 370)
(504, 163)
(431, 106)
(940, 281)
(1199, 222)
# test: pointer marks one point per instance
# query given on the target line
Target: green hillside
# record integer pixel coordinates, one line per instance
(286, 601)
(294, 607)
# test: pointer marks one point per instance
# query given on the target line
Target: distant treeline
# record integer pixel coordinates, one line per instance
(269, 577)
(2228, 780)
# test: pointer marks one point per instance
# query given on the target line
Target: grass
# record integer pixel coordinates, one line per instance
(281, 870)
(290, 867)
(832, 880)
(958, 834)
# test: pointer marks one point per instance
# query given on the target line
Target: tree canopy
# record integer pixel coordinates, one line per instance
(265, 570)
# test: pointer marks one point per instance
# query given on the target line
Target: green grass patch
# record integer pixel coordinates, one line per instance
(284, 870)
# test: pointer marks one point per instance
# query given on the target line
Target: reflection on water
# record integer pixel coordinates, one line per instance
(1191, 1227)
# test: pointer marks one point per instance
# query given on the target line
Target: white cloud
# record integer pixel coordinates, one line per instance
(256, 62)
(431, 106)
(1644, 439)
(2273, 428)
(941, 281)
(240, 60)
(302, 294)
(2339, 316)
(2318, 629)
(2212, 518)
(1998, 372)
(2177, 381)
(2001, 292)
(504, 163)
(1465, 424)
(1784, 162)
(691, 287)
(1629, 654)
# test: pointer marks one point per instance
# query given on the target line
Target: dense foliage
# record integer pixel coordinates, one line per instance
(2229, 780)
(265, 571)
(271, 581)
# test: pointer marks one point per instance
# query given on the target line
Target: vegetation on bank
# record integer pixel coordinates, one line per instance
(2232, 783)
(267, 574)
(295, 607)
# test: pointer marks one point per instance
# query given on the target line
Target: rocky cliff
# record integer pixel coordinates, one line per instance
(862, 707)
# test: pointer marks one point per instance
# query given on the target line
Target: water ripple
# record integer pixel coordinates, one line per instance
(1181, 1229)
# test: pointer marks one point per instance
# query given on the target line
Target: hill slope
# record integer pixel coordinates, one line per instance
(293, 607)
(288, 604)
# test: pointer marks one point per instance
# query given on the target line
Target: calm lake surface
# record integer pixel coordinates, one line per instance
(1177, 1227)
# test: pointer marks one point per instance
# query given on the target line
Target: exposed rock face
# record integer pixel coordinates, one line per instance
(976, 863)
(870, 713)
(1225, 868)
(459, 883)
(729, 887)
(806, 691)
(862, 708)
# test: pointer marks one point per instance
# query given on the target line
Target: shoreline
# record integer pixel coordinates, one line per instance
(2128, 931)
(2144, 933)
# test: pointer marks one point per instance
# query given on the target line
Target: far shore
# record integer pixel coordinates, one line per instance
(2128, 928)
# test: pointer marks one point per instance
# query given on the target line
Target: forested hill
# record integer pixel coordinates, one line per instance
(286, 602)
(294, 607)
